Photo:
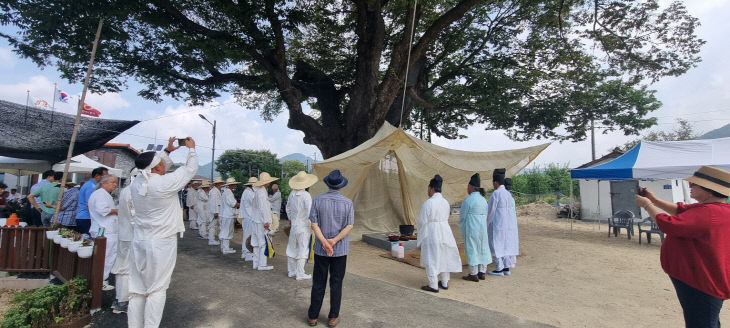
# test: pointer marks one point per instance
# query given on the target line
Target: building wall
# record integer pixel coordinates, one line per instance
(116, 158)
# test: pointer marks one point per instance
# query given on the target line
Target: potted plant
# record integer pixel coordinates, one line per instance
(77, 239)
(64, 305)
(86, 249)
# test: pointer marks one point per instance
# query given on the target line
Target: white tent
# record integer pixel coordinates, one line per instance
(20, 167)
(83, 164)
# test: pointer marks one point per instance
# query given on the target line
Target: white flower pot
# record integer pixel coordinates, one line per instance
(65, 242)
(85, 251)
(57, 239)
(74, 246)
(51, 233)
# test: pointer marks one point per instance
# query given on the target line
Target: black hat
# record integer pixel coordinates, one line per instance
(475, 181)
(436, 182)
(335, 180)
(498, 175)
(144, 159)
(508, 184)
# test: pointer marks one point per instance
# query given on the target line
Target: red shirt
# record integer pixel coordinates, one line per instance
(697, 248)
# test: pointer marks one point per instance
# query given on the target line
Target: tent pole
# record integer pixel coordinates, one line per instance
(76, 124)
(598, 186)
(570, 209)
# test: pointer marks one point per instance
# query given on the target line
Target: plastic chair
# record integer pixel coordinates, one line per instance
(649, 228)
(621, 219)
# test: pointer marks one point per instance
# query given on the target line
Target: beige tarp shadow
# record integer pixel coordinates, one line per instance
(389, 174)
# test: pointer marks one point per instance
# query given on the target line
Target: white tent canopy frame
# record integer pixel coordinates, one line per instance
(83, 164)
(389, 174)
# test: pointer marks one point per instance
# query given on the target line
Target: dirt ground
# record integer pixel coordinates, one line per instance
(569, 279)
(5, 296)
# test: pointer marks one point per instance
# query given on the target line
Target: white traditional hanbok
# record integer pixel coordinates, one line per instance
(191, 200)
(227, 217)
(245, 211)
(201, 208)
(100, 204)
(214, 207)
(261, 214)
(125, 222)
(439, 253)
(298, 206)
(502, 226)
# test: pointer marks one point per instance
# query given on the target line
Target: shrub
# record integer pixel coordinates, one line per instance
(51, 303)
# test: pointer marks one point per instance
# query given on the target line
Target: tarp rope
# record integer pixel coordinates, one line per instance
(408, 64)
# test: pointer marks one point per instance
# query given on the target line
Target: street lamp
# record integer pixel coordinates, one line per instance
(212, 157)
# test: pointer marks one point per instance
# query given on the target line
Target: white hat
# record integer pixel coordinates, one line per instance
(218, 180)
(302, 180)
(251, 181)
(264, 178)
(231, 181)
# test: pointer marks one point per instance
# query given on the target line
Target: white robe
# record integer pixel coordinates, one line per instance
(245, 211)
(202, 205)
(227, 214)
(501, 225)
(298, 206)
(275, 201)
(191, 199)
(260, 215)
(125, 220)
(214, 207)
(439, 252)
(153, 251)
(100, 204)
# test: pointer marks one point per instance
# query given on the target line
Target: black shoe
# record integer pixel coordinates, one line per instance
(482, 275)
(441, 286)
(471, 277)
(429, 289)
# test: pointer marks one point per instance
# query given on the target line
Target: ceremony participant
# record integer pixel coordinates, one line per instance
(298, 206)
(83, 219)
(228, 216)
(125, 223)
(69, 205)
(191, 200)
(332, 217)
(157, 215)
(245, 211)
(14, 195)
(214, 209)
(696, 251)
(275, 200)
(48, 195)
(502, 227)
(261, 211)
(439, 253)
(473, 226)
(201, 209)
(103, 213)
(35, 216)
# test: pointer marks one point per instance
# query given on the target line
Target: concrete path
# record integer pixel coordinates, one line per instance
(209, 289)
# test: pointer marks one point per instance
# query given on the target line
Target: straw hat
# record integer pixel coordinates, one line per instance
(231, 181)
(302, 180)
(264, 178)
(205, 184)
(712, 178)
(218, 180)
(251, 181)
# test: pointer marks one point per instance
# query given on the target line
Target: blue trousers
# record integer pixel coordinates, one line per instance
(700, 309)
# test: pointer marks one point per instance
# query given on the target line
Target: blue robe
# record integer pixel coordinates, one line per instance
(473, 226)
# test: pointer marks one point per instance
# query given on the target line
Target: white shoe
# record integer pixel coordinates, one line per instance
(291, 274)
(248, 258)
(304, 277)
(106, 286)
(229, 251)
(265, 268)
(213, 243)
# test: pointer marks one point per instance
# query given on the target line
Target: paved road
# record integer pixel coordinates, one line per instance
(213, 290)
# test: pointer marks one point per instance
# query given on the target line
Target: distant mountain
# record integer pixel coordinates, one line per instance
(204, 170)
(298, 157)
(722, 132)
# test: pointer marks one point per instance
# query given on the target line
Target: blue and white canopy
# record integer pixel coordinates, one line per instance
(661, 160)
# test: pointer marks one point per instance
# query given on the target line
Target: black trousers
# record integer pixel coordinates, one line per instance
(35, 217)
(83, 225)
(700, 310)
(323, 265)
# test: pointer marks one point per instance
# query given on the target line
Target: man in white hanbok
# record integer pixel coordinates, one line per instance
(245, 211)
(261, 221)
(228, 216)
(503, 237)
(298, 206)
(103, 212)
(214, 209)
(275, 200)
(202, 209)
(125, 222)
(191, 200)
(157, 223)
(439, 253)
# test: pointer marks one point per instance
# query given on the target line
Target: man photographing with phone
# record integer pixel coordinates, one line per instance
(153, 252)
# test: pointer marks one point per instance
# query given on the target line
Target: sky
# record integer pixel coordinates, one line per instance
(701, 96)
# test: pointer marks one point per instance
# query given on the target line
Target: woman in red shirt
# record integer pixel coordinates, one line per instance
(696, 252)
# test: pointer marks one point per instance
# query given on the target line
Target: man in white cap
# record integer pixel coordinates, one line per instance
(202, 209)
(191, 200)
(103, 212)
(261, 221)
(125, 221)
(275, 200)
(298, 206)
(157, 222)
(246, 212)
(228, 216)
(214, 208)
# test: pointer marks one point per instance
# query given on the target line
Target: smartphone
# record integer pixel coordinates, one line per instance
(181, 142)
(641, 191)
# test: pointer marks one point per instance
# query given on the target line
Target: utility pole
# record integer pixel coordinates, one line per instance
(593, 141)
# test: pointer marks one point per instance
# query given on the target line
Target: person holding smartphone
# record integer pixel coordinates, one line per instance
(696, 252)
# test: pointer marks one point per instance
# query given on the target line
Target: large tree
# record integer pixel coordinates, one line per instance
(535, 68)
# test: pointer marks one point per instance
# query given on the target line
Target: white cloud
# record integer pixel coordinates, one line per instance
(7, 59)
(106, 101)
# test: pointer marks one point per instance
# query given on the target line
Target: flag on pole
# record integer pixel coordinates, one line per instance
(40, 103)
(90, 111)
(62, 96)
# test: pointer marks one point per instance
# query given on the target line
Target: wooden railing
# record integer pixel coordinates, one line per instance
(28, 250)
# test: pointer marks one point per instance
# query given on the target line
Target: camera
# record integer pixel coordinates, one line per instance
(181, 142)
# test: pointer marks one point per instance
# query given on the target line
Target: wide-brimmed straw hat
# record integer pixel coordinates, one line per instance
(335, 180)
(231, 181)
(302, 180)
(218, 180)
(712, 178)
(264, 178)
(205, 184)
(251, 181)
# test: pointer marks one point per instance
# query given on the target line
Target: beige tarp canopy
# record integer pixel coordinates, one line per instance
(389, 174)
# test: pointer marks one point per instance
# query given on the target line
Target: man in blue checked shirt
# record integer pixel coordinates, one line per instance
(332, 216)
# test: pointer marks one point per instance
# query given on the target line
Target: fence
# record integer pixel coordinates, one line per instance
(28, 250)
